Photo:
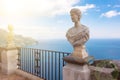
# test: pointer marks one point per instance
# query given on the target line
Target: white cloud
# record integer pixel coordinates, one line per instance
(12, 11)
(39, 7)
(110, 14)
(35, 7)
(86, 7)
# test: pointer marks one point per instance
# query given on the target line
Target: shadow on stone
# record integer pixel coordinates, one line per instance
(78, 60)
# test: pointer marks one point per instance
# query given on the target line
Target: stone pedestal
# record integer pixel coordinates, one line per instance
(76, 72)
(76, 68)
(9, 60)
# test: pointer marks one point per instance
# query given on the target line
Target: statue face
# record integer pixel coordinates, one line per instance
(74, 17)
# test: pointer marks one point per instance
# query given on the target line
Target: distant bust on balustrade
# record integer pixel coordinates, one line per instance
(78, 35)
(10, 37)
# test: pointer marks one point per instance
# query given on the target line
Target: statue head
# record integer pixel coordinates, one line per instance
(75, 14)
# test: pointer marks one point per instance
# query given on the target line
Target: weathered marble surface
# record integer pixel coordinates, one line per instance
(9, 61)
(76, 72)
(78, 35)
(78, 60)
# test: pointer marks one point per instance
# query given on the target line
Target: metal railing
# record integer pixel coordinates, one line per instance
(45, 64)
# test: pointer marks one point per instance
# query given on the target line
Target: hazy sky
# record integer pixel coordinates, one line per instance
(43, 19)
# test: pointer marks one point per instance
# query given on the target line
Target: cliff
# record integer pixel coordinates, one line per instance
(19, 40)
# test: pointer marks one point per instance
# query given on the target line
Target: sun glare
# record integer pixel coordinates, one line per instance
(12, 7)
(12, 10)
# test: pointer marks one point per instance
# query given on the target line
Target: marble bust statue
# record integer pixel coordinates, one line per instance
(78, 35)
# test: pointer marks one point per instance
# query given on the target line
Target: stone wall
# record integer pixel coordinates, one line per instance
(0, 54)
(98, 73)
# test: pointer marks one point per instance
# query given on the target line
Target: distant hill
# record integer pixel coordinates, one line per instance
(19, 40)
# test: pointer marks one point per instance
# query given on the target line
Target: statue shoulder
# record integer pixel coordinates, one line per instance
(85, 27)
(71, 29)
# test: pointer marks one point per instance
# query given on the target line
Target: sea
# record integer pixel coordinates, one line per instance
(99, 48)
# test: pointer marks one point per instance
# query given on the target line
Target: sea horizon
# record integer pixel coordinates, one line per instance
(99, 48)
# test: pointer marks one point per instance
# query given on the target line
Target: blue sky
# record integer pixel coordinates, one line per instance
(49, 19)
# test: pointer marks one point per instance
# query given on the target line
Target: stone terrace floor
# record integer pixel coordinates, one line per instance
(11, 77)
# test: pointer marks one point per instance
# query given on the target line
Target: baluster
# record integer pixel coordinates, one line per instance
(45, 64)
(59, 66)
(52, 65)
(49, 61)
(33, 60)
(55, 65)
